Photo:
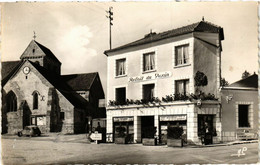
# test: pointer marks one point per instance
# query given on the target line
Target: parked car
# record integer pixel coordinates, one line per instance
(31, 130)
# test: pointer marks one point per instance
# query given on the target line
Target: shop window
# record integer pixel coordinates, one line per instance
(148, 91)
(62, 115)
(121, 95)
(182, 87)
(120, 67)
(181, 55)
(35, 100)
(11, 102)
(243, 111)
(149, 61)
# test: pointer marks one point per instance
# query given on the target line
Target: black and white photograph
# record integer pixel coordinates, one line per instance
(129, 82)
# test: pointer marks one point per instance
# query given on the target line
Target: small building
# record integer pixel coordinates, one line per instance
(152, 82)
(240, 109)
(35, 93)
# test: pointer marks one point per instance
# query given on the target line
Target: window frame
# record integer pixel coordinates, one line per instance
(116, 67)
(184, 83)
(116, 95)
(150, 84)
(11, 100)
(248, 111)
(250, 114)
(182, 55)
(35, 100)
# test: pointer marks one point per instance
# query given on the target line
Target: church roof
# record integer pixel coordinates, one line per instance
(7, 67)
(57, 81)
(201, 26)
(249, 82)
(32, 51)
(80, 82)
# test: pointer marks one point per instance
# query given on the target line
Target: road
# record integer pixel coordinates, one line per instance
(29, 151)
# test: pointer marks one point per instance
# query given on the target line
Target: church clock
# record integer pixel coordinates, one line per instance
(26, 70)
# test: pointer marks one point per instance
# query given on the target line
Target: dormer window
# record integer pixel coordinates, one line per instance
(181, 55)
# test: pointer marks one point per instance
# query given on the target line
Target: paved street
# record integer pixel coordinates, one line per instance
(31, 151)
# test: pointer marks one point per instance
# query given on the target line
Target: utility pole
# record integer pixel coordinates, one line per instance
(110, 16)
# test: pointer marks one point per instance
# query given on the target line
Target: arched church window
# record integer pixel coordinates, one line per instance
(11, 102)
(35, 100)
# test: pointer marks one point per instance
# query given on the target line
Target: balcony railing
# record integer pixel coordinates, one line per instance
(166, 99)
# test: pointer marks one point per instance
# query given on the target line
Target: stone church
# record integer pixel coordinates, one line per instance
(35, 93)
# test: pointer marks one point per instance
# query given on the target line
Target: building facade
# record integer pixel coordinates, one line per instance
(35, 93)
(170, 78)
(240, 109)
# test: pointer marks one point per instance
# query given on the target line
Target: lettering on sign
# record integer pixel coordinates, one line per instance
(151, 76)
(96, 136)
(173, 118)
(123, 119)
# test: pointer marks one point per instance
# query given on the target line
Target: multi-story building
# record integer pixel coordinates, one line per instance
(165, 79)
(35, 93)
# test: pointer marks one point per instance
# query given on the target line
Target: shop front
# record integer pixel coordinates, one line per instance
(171, 121)
(206, 128)
(127, 123)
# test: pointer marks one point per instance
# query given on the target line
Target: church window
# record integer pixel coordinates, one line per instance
(62, 115)
(11, 102)
(35, 100)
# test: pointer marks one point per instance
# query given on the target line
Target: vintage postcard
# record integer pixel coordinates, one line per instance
(129, 83)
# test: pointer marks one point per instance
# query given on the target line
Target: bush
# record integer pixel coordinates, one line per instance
(174, 132)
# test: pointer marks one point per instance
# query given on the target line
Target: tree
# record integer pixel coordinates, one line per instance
(245, 74)
(223, 82)
(200, 80)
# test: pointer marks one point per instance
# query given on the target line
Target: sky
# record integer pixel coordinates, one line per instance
(78, 32)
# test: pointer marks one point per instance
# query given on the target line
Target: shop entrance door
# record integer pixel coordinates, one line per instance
(205, 128)
(147, 124)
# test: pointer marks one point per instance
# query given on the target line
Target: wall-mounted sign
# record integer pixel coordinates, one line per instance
(173, 118)
(123, 119)
(151, 76)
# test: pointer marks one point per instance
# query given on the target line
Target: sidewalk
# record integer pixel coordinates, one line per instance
(82, 138)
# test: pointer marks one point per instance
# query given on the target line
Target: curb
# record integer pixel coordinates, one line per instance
(56, 139)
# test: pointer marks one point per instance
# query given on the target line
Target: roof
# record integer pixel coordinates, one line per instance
(8, 68)
(44, 49)
(201, 26)
(80, 82)
(57, 81)
(249, 82)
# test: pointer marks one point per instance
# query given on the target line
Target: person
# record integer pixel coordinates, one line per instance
(208, 134)
(98, 128)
